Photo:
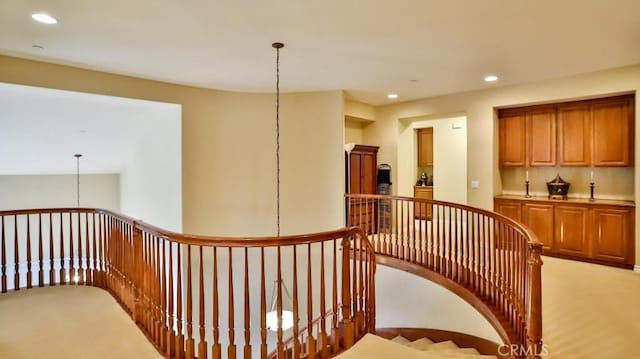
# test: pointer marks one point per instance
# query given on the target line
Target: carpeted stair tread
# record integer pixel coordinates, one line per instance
(446, 345)
(420, 344)
(401, 340)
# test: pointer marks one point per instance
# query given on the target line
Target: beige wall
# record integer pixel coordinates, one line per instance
(55, 191)
(359, 110)
(353, 130)
(479, 106)
(228, 144)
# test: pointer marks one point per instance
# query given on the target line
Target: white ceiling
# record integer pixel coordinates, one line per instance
(41, 129)
(368, 48)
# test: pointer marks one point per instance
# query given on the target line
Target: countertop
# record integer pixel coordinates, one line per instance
(582, 201)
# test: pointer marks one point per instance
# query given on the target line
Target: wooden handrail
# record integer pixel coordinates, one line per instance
(488, 259)
(180, 289)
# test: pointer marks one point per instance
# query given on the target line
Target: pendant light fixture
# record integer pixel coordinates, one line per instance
(77, 156)
(286, 316)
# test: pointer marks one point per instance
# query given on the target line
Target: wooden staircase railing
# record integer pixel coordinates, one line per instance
(197, 296)
(489, 260)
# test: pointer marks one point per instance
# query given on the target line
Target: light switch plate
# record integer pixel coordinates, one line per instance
(475, 184)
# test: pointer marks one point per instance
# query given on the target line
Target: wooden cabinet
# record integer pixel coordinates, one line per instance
(611, 228)
(580, 133)
(361, 173)
(425, 147)
(612, 122)
(573, 135)
(512, 138)
(571, 230)
(539, 218)
(423, 210)
(598, 231)
(510, 209)
(541, 136)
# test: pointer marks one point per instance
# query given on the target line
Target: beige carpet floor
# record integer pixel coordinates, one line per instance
(590, 311)
(68, 322)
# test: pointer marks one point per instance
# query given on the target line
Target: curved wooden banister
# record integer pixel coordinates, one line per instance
(485, 258)
(200, 295)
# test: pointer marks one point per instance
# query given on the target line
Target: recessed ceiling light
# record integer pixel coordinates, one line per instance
(392, 96)
(490, 78)
(44, 18)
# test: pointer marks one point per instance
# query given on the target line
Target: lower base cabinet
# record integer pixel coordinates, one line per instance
(599, 231)
(571, 230)
(539, 218)
(423, 210)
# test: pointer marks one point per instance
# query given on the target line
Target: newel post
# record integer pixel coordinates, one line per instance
(137, 273)
(347, 317)
(534, 310)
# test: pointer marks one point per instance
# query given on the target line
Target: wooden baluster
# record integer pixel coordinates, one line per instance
(311, 340)
(62, 266)
(78, 272)
(202, 345)
(396, 237)
(94, 251)
(16, 255)
(334, 321)
(86, 277)
(156, 286)
(534, 310)
(296, 314)
(190, 341)
(71, 250)
(216, 351)
(263, 309)
(323, 338)
(164, 328)
(40, 255)
(52, 274)
(348, 325)
(171, 323)
(3, 286)
(180, 334)
(247, 309)
(280, 346)
(29, 262)
(231, 351)
(421, 233)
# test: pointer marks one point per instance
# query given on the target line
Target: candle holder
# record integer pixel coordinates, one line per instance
(526, 189)
(592, 187)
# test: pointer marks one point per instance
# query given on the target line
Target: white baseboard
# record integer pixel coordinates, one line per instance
(636, 268)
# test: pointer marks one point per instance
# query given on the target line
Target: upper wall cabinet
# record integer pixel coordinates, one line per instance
(581, 133)
(574, 134)
(541, 137)
(425, 147)
(512, 134)
(612, 122)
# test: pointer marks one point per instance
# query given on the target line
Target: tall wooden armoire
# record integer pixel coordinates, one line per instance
(362, 164)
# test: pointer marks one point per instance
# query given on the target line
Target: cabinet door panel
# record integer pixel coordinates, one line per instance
(574, 135)
(425, 147)
(355, 177)
(512, 139)
(511, 209)
(612, 139)
(369, 168)
(611, 234)
(539, 218)
(541, 137)
(571, 231)
(423, 210)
